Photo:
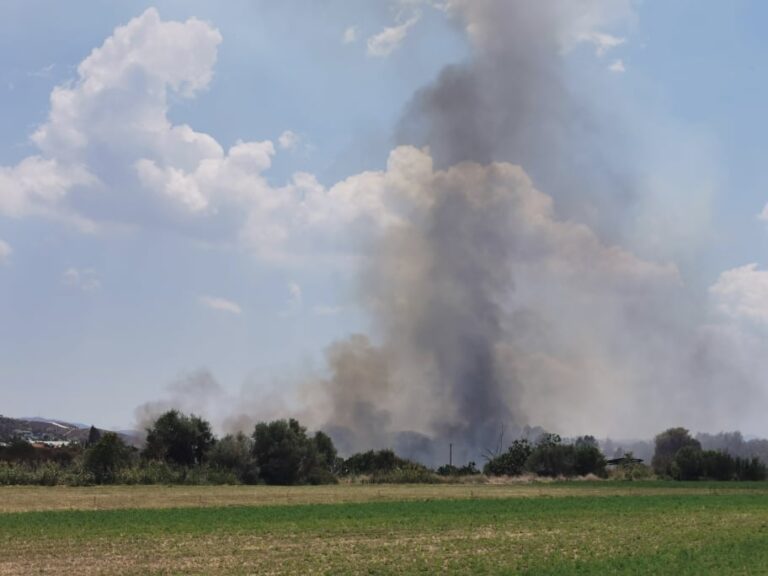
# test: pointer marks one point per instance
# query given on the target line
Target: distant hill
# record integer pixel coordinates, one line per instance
(54, 421)
(37, 428)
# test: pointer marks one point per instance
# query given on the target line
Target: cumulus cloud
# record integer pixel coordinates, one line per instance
(220, 304)
(86, 279)
(5, 252)
(86, 150)
(388, 40)
(38, 186)
(742, 294)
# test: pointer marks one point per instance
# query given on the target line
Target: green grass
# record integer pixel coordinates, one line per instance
(712, 529)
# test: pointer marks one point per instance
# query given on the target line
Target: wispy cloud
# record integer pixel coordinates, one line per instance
(86, 279)
(388, 40)
(295, 297)
(289, 140)
(221, 304)
(44, 72)
(617, 66)
(326, 310)
(350, 35)
(5, 252)
(602, 42)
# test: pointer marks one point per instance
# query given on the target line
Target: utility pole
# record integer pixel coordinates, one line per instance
(450, 454)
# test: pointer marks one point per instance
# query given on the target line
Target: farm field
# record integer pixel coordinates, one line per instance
(538, 528)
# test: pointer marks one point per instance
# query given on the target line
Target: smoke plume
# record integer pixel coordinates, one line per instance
(502, 289)
(498, 306)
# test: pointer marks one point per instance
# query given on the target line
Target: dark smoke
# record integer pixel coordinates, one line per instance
(440, 287)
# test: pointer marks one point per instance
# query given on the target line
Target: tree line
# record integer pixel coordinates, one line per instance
(182, 449)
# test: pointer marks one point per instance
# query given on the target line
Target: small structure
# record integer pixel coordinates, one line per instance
(623, 461)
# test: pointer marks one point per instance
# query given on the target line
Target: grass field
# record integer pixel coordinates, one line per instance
(555, 528)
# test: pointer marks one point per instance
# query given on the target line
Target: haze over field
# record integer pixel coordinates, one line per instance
(408, 222)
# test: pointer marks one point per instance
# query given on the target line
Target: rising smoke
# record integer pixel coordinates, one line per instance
(493, 270)
(493, 311)
(441, 286)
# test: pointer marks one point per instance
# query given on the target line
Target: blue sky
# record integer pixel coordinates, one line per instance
(106, 297)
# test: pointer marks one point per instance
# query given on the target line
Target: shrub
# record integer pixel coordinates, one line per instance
(286, 455)
(179, 439)
(106, 458)
(234, 454)
(469, 469)
(668, 444)
(512, 462)
(411, 473)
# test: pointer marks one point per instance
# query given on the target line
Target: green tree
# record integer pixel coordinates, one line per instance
(94, 435)
(587, 457)
(179, 439)
(235, 453)
(512, 462)
(286, 455)
(668, 444)
(106, 458)
(687, 464)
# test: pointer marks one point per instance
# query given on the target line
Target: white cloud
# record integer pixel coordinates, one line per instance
(602, 42)
(38, 186)
(289, 140)
(85, 145)
(177, 174)
(742, 294)
(350, 35)
(764, 214)
(617, 66)
(388, 40)
(220, 304)
(5, 252)
(86, 279)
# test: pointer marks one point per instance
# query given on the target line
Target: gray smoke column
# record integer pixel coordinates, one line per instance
(512, 103)
(440, 283)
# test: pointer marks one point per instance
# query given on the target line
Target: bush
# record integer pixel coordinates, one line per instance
(750, 469)
(552, 458)
(467, 470)
(372, 462)
(105, 459)
(409, 474)
(691, 463)
(179, 439)
(687, 464)
(588, 459)
(234, 454)
(512, 462)
(286, 455)
(668, 444)
(549, 457)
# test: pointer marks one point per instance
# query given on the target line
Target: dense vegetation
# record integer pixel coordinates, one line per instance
(678, 455)
(182, 449)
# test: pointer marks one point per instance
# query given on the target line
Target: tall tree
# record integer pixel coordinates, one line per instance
(179, 439)
(668, 444)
